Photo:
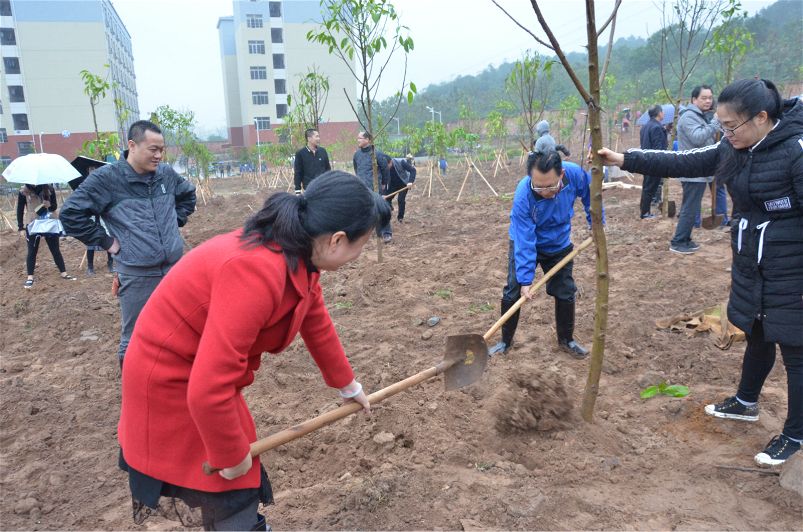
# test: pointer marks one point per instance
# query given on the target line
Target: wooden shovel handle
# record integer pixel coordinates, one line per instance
(296, 431)
(388, 196)
(555, 269)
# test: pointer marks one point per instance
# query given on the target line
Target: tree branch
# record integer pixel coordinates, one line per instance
(539, 41)
(612, 18)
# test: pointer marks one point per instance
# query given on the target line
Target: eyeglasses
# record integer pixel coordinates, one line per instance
(554, 188)
(727, 131)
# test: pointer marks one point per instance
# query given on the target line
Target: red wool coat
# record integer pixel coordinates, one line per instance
(198, 342)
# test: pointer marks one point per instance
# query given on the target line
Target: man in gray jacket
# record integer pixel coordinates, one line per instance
(694, 132)
(143, 203)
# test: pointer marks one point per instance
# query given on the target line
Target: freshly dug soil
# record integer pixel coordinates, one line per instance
(425, 459)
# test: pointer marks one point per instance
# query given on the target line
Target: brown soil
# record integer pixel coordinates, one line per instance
(641, 464)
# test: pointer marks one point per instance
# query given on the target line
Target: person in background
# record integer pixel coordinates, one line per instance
(40, 201)
(310, 161)
(402, 176)
(201, 338)
(545, 141)
(364, 168)
(442, 165)
(143, 203)
(653, 137)
(540, 233)
(760, 159)
(693, 132)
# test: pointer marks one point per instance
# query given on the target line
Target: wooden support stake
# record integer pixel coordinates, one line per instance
(486, 181)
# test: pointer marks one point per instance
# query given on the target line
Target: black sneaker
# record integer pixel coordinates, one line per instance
(574, 349)
(682, 249)
(731, 408)
(777, 451)
(692, 245)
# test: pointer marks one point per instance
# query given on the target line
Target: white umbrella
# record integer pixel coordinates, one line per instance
(40, 169)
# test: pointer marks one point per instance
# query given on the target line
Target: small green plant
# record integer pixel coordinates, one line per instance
(344, 305)
(672, 390)
(483, 466)
(443, 293)
(476, 309)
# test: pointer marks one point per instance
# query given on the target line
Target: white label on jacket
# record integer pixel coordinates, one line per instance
(163, 189)
(780, 204)
(800, 141)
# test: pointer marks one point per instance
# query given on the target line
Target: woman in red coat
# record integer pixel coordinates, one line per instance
(200, 337)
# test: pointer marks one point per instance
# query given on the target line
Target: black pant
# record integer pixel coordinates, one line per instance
(396, 184)
(759, 357)
(561, 286)
(52, 245)
(648, 188)
(90, 258)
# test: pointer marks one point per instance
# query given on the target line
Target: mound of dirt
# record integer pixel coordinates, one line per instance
(533, 402)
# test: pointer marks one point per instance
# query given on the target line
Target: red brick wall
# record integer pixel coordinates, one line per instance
(53, 143)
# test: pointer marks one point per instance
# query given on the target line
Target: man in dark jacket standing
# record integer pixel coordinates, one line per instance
(653, 137)
(694, 131)
(363, 161)
(143, 203)
(402, 176)
(310, 161)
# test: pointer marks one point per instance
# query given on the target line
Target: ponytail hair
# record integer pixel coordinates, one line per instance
(748, 97)
(563, 149)
(335, 201)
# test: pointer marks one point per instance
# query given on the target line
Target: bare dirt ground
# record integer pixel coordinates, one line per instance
(425, 459)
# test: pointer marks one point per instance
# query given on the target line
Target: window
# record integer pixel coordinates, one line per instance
(259, 98)
(259, 72)
(12, 65)
(3, 135)
(276, 35)
(263, 122)
(20, 122)
(256, 47)
(275, 9)
(281, 110)
(253, 21)
(16, 94)
(26, 148)
(5, 161)
(5, 8)
(280, 86)
(278, 61)
(7, 36)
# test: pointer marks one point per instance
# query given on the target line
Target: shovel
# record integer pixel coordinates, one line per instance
(715, 220)
(463, 364)
(388, 196)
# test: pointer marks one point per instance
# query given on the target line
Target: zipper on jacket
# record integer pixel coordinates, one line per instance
(151, 183)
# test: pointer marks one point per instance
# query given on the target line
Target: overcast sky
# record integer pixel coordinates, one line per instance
(177, 52)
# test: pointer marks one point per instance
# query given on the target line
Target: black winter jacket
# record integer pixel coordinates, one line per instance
(143, 212)
(766, 185)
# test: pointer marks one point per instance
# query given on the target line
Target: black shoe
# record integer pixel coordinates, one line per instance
(574, 349)
(731, 408)
(387, 239)
(694, 246)
(777, 451)
(90, 272)
(400, 220)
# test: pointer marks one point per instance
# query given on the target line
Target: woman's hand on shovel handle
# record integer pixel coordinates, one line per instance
(230, 473)
(354, 392)
(525, 291)
(611, 158)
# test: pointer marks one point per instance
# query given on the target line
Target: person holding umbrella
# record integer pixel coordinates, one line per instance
(40, 201)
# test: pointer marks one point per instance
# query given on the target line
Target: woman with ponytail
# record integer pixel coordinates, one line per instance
(201, 336)
(760, 160)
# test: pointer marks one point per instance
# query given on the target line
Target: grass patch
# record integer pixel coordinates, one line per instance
(443, 293)
(343, 305)
(475, 308)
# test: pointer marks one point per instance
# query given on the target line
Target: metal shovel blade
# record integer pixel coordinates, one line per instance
(466, 357)
(712, 222)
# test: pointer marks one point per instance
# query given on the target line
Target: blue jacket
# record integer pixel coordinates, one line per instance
(545, 225)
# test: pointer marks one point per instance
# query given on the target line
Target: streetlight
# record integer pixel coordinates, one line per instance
(41, 146)
(398, 125)
(259, 152)
(433, 111)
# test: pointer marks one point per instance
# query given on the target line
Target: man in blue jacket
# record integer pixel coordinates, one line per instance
(540, 233)
(143, 202)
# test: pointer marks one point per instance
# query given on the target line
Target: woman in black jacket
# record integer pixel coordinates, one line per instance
(40, 200)
(760, 160)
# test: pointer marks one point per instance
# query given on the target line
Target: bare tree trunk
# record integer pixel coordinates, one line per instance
(597, 229)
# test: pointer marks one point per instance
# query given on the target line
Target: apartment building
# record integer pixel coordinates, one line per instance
(44, 45)
(264, 52)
